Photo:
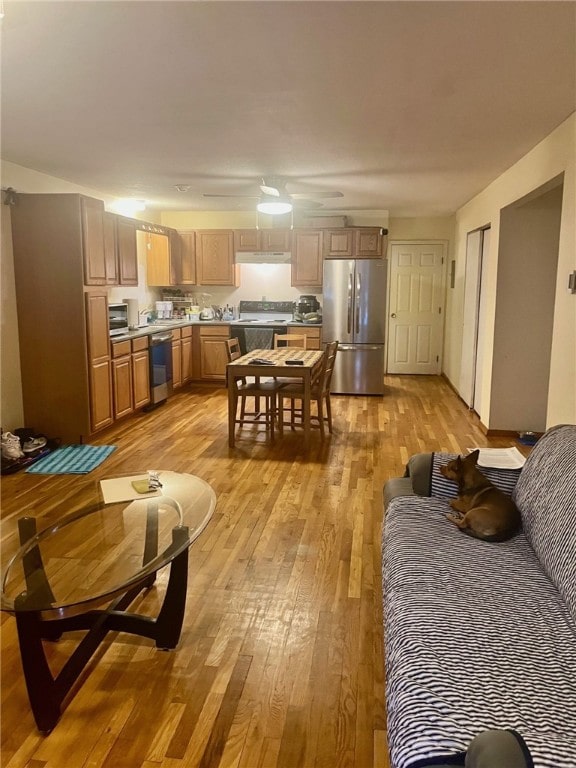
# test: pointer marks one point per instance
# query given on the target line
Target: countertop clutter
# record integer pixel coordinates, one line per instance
(170, 324)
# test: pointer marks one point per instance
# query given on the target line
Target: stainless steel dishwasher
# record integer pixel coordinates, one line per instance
(160, 366)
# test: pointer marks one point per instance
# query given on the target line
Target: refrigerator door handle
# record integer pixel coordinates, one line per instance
(349, 321)
(357, 301)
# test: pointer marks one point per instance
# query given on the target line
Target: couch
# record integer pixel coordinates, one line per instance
(482, 635)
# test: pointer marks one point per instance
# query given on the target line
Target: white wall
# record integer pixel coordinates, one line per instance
(554, 155)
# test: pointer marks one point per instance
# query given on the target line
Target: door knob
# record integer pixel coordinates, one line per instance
(393, 314)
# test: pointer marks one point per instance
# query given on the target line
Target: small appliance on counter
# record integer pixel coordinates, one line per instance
(308, 310)
(207, 313)
(118, 319)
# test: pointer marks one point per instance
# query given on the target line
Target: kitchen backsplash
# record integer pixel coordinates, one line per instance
(258, 282)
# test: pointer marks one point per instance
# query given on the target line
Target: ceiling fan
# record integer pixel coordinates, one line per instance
(274, 198)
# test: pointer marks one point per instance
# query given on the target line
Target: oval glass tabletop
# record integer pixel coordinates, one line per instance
(100, 551)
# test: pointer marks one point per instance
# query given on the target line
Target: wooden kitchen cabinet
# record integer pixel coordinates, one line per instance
(110, 248)
(338, 243)
(99, 364)
(92, 216)
(186, 354)
(183, 257)
(176, 358)
(126, 251)
(262, 240)
(140, 372)
(62, 324)
(307, 258)
(215, 258)
(313, 334)
(158, 268)
(122, 378)
(213, 352)
(353, 243)
(120, 250)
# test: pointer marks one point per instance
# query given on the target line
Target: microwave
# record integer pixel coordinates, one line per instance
(117, 319)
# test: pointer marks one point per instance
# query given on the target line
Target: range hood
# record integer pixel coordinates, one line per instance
(263, 257)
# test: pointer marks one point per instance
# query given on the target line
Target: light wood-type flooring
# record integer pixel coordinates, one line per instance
(280, 663)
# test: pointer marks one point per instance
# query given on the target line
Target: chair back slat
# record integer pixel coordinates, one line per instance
(289, 340)
(233, 349)
(325, 379)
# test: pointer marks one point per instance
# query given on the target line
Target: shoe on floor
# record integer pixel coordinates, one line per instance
(34, 444)
(11, 448)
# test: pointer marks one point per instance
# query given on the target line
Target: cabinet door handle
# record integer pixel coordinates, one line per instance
(393, 314)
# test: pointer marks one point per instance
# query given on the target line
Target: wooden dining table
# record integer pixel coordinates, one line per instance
(279, 367)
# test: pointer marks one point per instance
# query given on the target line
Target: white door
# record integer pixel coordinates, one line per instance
(416, 311)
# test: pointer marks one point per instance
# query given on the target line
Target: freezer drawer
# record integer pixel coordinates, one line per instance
(359, 370)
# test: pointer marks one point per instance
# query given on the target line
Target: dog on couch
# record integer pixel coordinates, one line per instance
(484, 511)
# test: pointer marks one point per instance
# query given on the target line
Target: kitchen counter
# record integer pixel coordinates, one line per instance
(158, 328)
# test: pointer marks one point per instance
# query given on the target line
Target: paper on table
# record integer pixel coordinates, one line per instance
(500, 458)
(121, 489)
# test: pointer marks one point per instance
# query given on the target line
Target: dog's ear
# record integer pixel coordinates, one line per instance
(473, 457)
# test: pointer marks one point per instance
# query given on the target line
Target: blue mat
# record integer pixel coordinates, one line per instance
(73, 459)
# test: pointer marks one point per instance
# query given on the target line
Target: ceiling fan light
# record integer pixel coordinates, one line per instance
(274, 207)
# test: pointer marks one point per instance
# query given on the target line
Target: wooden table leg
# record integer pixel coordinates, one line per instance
(306, 410)
(232, 405)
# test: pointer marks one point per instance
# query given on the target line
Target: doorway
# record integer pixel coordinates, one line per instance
(524, 315)
(416, 307)
(473, 327)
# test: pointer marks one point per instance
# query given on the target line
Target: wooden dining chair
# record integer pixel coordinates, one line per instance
(256, 389)
(289, 340)
(319, 393)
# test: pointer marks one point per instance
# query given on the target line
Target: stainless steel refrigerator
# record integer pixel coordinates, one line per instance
(354, 312)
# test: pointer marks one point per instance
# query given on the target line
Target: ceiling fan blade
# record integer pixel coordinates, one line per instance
(322, 194)
(306, 204)
(272, 191)
(209, 194)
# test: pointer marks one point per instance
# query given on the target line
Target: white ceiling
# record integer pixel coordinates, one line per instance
(409, 107)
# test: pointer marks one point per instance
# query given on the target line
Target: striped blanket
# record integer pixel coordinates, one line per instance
(482, 635)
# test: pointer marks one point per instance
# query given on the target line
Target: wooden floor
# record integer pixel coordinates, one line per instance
(280, 663)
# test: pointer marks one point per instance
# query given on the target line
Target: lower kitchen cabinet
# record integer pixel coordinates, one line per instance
(101, 414)
(186, 354)
(176, 358)
(122, 378)
(99, 364)
(213, 352)
(313, 334)
(140, 372)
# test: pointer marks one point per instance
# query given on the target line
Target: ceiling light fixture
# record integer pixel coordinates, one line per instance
(274, 206)
(128, 206)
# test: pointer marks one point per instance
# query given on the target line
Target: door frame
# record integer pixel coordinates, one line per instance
(419, 241)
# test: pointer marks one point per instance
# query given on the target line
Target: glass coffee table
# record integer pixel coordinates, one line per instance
(83, 572)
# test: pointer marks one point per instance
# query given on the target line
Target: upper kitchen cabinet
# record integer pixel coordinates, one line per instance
(215, 258)
(183, 257)
(158, 268)
(126, 248)
(307, 258)
(63, 327)
(92, 217)
(353, 242)
(262, 240)
(120, 250)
